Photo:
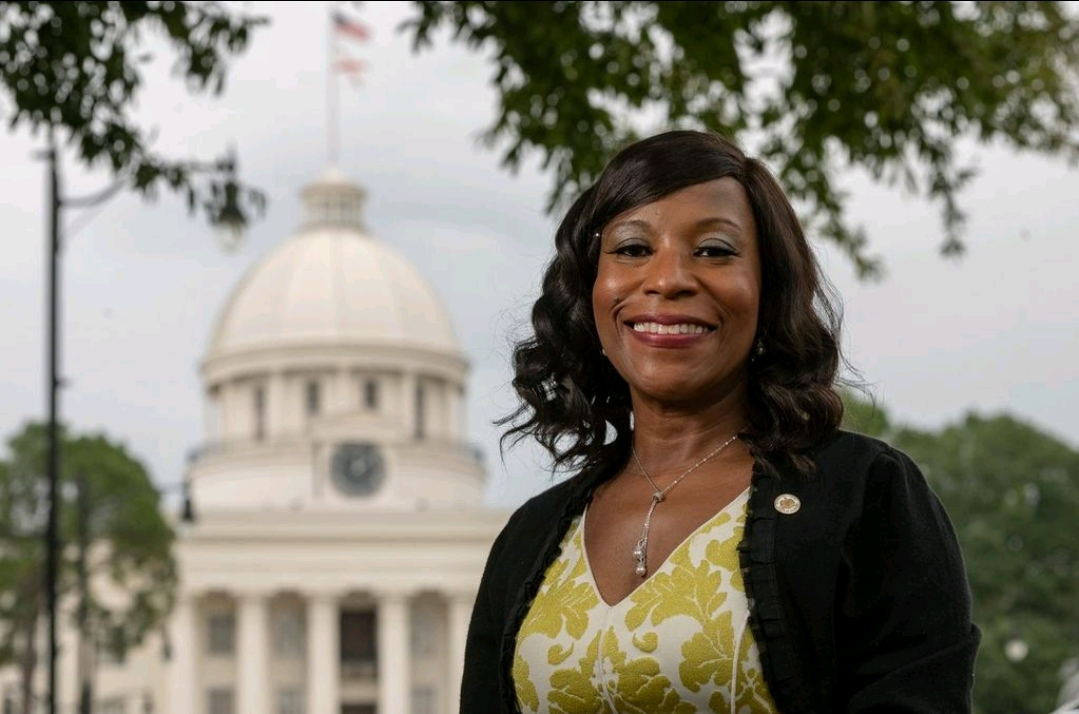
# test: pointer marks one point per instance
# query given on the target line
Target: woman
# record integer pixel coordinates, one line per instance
(723, 545)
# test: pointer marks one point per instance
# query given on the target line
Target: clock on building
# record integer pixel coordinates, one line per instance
(358, 468)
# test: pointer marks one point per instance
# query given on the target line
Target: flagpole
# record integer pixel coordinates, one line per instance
(332, 126)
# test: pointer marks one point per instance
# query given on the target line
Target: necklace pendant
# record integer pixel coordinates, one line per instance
(641, 557)
(640, 553)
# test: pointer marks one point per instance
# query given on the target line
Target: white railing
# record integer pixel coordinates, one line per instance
(359, 669)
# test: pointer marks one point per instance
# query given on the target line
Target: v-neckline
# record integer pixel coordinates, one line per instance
(682, 544)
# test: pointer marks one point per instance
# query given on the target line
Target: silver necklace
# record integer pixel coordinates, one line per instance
(640, 552)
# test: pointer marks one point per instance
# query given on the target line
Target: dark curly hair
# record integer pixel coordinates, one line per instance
(572, 398)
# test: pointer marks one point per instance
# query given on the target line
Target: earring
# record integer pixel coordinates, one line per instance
(758, 351)
(603, 351)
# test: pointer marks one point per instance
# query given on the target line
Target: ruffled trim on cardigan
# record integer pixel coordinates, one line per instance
(756, 554)
(580, 494)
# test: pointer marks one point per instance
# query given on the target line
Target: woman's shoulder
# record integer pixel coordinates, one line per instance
(850, 463)
(852, 453)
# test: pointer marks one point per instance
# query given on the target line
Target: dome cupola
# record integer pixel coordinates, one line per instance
(332, 285)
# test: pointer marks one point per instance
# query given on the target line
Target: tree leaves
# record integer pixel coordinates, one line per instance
(813, 88)
(77, 67)
(129, 541)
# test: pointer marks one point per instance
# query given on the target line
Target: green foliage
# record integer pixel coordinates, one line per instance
(815, 87)
(77, 67)
(130, 543)
(864, 416)
(1013, 494)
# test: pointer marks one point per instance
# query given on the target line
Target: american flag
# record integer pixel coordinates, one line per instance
(350, 28)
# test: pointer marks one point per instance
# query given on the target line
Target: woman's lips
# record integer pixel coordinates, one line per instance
(669, 331)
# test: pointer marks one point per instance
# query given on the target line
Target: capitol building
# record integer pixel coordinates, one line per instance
(340, 529)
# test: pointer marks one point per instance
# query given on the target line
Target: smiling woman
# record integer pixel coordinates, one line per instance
(723, 546)
(676, 294)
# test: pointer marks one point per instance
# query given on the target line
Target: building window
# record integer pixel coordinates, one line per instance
(222, 640)
(260, 412)
(289, 634)
(424, 700)
(370, 394)
(358, 641)
(114, 705)
(312, 397)
(290, 700)
(421, 417)
(222, 701)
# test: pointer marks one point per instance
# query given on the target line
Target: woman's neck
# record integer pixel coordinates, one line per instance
(670, 438)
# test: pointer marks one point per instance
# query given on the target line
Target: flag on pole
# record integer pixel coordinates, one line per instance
(340, 63)
(350, 28)
(351, 68)
(353, 30)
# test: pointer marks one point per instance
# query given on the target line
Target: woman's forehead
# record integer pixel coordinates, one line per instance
(718, 203)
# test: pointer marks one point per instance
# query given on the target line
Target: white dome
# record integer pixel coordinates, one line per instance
(333, 285)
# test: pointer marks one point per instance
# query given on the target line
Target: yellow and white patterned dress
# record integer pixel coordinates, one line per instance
(678, 644)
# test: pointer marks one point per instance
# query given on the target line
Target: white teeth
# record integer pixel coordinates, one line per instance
(655, 328)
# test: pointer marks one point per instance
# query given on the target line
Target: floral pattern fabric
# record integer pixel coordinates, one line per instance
(678, 644)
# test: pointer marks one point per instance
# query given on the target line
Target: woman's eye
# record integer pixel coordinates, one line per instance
(715, 250)
(633, 250)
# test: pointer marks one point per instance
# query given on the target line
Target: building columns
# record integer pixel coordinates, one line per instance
(323, 655)
(253, 655)
(182, 677)
(323, 671)
(394, 666)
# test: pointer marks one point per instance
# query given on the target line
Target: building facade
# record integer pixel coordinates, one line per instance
(340, 531)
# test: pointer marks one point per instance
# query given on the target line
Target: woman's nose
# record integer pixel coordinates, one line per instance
(669, 273)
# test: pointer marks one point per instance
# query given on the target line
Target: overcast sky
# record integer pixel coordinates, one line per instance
(142, 283)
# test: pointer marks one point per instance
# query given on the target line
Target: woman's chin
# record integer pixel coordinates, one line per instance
(685, 396)
(678, 392)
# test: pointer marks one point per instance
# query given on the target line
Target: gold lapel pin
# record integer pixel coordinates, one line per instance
(787, 503)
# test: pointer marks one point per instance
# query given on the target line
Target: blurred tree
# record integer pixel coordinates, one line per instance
(862, 414)
(129, 553)
(76, 67)
(812, 87)
(1013, 494)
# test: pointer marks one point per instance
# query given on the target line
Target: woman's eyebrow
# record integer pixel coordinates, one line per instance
(720, 222)
(631, 223)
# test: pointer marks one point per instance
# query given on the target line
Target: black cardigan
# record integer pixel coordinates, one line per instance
(859, 601)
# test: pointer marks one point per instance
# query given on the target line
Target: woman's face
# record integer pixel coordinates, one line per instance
(677, 294)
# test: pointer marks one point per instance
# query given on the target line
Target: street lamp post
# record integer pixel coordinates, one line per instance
(85, 646)
(229, 219)
(52, 535)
